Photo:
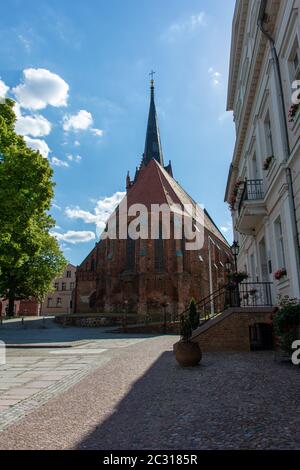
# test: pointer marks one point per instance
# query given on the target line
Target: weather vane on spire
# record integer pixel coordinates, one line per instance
(152, 80)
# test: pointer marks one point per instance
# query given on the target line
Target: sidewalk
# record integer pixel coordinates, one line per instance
(141, 399)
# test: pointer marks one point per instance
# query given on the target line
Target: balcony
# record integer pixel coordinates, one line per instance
(251, 206)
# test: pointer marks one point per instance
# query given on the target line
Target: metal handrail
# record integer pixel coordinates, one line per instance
(253, 190)
(206, 299)
(244, 294)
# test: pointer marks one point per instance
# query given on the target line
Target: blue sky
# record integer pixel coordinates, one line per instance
(79, 71)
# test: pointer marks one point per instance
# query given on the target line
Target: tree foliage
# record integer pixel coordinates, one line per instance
(287, 322)
(29, 256)
(186, 330)
(193, 315)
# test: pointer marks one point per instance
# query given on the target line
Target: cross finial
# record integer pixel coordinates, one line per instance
(151, 74)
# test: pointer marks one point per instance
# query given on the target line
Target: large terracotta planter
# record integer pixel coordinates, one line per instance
(188, 354)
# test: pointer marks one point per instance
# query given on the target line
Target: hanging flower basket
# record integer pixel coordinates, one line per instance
(268, 162)
(234, 194)
(293, 110)
(280, 274)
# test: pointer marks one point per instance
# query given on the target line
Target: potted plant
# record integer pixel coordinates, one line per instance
(193, 315)
(280, 274)
(187, 353)
(237, 278)
(267, 163)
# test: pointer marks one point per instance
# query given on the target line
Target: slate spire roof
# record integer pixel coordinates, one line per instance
(154, 183)
(153, 147)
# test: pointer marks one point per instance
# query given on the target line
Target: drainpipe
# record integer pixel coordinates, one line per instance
(284, 126)
(211, 289)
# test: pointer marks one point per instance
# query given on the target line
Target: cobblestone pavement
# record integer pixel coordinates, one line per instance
(31, 376)
(139, 398)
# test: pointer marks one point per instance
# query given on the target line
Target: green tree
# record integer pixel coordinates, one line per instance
(193, 315)
(29, 256)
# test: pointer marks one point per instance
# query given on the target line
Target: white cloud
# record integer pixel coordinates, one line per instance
(56, 206)
(3, 89)
(76, 159)
(74, 237)
(36, 126)
(57, 162)
(26, 43)
(226, 227)
(80, 121)
(97, 132)
(17, 110)
(40, 88)
(184, 27)
(101, 212)
(225, 116)
(38, 144)
(215, 76)
(77, 143)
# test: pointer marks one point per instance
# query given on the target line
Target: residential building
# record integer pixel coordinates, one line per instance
(263, 187)
(60, 300)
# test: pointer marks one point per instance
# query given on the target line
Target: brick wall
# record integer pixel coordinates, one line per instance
(231, 331)
(104, 285)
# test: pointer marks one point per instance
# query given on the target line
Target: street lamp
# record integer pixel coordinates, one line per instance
(235, 249)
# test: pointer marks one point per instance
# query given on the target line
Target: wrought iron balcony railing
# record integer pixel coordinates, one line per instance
(253, 190)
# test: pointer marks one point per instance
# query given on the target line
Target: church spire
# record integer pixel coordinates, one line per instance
(152, 145)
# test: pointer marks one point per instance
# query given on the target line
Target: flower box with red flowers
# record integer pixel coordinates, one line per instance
(293, 110)
(234, 194)
(268, 162)
(280, 274)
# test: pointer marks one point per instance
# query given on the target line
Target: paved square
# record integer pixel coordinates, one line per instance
(133, 395)
(31, 376)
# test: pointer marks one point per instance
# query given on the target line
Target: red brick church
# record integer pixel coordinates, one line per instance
(143, 275)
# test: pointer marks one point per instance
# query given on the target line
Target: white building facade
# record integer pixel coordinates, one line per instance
(263, 187)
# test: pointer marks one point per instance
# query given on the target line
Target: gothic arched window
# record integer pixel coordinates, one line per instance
(130, 254)
(159, 251)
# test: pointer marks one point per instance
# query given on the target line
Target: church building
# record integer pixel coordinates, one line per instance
(149, 275)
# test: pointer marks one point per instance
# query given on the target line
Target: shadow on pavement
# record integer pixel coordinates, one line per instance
(149, 414)
(41, 331)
